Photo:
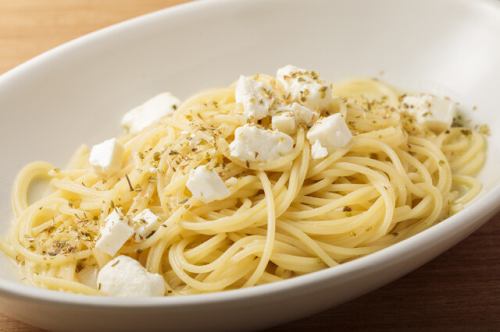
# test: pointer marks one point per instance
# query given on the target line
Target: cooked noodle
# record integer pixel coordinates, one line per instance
(283, 218)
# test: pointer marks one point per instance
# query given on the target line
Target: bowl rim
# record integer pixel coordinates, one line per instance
(475, 213)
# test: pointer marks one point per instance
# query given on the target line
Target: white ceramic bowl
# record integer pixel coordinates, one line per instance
(77, 92)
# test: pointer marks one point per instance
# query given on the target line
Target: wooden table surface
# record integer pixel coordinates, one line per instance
(458, 291)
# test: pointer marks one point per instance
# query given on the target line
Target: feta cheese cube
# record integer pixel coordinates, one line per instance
(284, 122)
(430, 111)
(254, 144)
(331, 132)
(151, 111)
(255, 97)
(125, 277)
(147, 222)
(114, 234)
(305, 87)
(106, 157)
(206, 185)
(303, 114)
(318, 151)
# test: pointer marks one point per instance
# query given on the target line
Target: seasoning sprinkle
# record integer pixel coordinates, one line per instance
(129, 183)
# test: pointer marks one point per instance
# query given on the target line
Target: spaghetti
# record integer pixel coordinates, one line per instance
(283, 218)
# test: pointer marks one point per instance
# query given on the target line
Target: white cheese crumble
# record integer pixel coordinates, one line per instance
(147, 223)
(430, 111)
(206, 185)
(303, 114)
(106, 157)
(254, 144)
(284, 122)
(305, 87)
(124, 276)
(255, 97)
(318, 151)
(151, 111)
(331, 132)
(114, 234)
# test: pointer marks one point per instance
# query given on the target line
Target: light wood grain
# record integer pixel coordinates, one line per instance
(30, 27)
(459, 291)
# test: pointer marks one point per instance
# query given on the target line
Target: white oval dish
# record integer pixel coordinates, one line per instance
(77, 92)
